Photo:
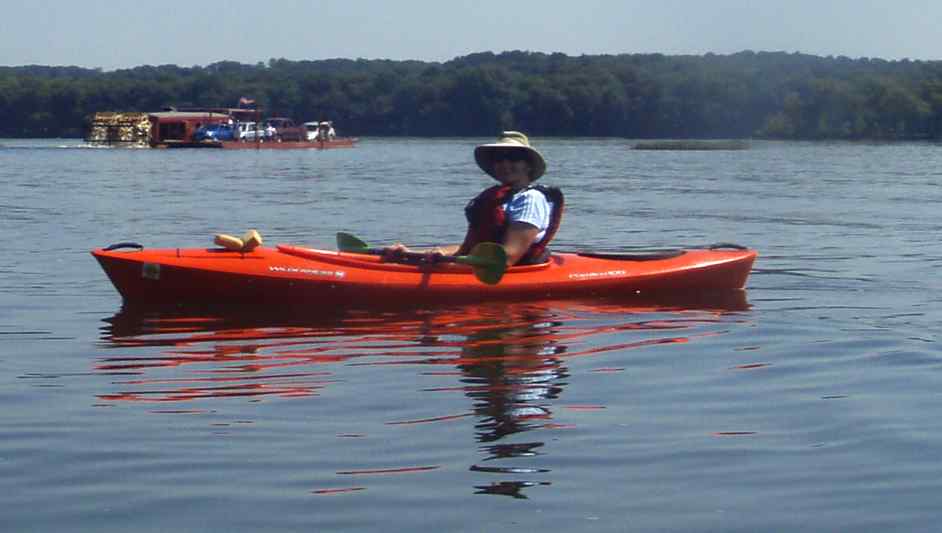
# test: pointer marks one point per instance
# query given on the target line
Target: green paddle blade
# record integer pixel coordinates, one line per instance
(350, 243)
(488, 260)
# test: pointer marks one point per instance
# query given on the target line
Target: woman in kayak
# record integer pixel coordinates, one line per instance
(515, 213)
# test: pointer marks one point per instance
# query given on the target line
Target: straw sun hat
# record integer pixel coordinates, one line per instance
(509, 140)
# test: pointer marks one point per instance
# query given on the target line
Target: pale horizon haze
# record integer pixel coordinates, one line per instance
(110, 35)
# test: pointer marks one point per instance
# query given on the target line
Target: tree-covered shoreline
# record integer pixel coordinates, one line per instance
(748, 94)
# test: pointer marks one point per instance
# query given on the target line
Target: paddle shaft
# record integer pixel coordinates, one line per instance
(423, 258)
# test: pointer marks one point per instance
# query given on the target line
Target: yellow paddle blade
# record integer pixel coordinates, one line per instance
(228, 242)
(251, 240)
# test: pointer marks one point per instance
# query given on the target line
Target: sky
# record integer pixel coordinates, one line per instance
(113, 34)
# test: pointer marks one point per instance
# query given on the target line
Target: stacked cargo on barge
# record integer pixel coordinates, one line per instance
(109, 128)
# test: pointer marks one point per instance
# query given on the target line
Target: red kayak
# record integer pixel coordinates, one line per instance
(293, 275)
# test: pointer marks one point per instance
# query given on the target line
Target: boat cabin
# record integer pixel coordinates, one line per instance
(168, 127)
(173, 126)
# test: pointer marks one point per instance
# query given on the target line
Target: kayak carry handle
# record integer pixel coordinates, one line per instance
(650, 255)
(727, 246)
(119, 245)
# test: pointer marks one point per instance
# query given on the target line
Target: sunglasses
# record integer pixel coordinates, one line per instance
(511, 155)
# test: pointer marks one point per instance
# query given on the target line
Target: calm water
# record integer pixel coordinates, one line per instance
(811, 404)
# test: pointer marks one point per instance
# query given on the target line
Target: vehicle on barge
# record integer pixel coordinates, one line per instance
(237, 128)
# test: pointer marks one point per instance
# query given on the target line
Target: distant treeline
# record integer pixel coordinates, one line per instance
(748, 94)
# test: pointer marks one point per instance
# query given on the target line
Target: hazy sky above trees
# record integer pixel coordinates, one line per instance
(111, 35)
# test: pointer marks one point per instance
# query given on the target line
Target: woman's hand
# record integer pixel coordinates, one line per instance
(397, 248)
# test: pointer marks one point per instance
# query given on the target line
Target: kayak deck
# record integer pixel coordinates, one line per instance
(297, 275)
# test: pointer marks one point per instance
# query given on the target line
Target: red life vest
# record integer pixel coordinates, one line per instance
(487, 221)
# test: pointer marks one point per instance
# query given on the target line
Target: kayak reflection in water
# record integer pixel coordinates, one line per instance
(513, 373)
(515, 213)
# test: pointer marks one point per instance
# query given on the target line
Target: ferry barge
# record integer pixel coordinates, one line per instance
(238, 128)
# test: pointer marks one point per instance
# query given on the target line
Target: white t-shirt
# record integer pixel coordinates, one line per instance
(532, 207)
